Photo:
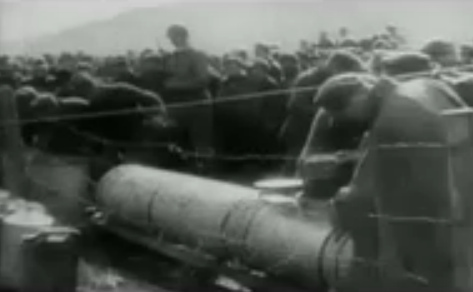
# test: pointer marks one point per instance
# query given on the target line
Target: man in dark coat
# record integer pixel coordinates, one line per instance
(290, 66)
(393, 114)
(248, 126)
(300, 107)
(130, 107)
(188, 81)
(466, 54)
(151, 74)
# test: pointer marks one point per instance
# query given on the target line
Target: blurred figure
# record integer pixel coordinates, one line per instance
(121, 71)
(8, 74)
(236, 79)
(84, 67)
(343, 61)
(345, 41)
(263, 52)
(300, 109)
(261, 78)
(402, 63)
(271, 107)
(41, 78)
(324, 42)
(66, 62)
(442, 52)
(466, 54)
(151, 74)
(290, 67)
(396, 38)
(189, 82)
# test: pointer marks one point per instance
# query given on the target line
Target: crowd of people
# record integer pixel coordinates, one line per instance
(269, 111)
(187, 103)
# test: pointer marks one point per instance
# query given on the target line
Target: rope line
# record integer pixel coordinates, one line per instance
(228, 99)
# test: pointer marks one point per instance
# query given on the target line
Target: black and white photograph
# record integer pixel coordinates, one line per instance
(236, 146)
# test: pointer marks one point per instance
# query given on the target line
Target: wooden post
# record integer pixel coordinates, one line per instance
(12, 148)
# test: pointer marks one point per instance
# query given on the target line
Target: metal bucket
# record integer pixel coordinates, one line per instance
(320, 174)
(50, 252)
(14, 228)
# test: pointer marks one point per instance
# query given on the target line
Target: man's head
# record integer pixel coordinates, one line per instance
(45, 106)
(442, 52)
(119, 65)
(178, 35)
(402, 63)
(259, 69)
(85, 67)
(391, 29)
(346, 97)
(289, 64)
(81, 84)
(66, 61)
(40, 68)
(233, 66)
(343, 62)
(262, 51)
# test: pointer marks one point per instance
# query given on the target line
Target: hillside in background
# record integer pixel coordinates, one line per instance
(219, 27)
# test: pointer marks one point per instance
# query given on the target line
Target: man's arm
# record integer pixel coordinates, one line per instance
(318, 141)
(317, 138)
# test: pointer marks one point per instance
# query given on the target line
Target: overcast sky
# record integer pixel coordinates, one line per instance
(24, 19)
(21, 19)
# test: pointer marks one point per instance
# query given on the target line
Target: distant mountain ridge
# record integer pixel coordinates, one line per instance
(219, 27)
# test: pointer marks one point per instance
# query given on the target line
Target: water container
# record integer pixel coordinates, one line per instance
(280, 191)
(35, 255)
(51, 252)
(14, 227)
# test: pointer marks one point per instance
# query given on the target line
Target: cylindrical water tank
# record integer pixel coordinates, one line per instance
(187, 208)
(225, 220)
(279, 240)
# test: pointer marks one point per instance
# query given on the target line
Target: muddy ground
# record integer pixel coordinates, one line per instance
(111, 264)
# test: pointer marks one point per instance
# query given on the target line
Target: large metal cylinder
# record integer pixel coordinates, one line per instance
(187, 208)
(227, 221)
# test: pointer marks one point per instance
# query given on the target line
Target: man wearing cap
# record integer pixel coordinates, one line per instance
(188, 81)
(406, 63)
(358, 107)
(264, 53)
(351, 105)
(300, 110)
